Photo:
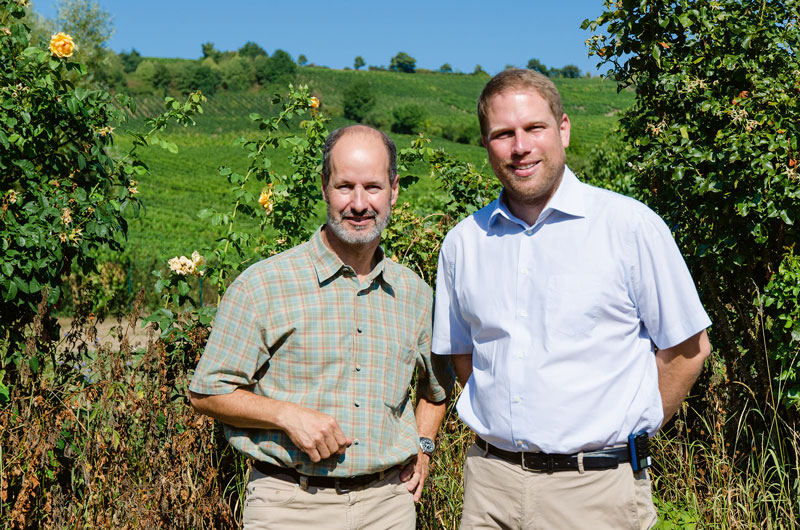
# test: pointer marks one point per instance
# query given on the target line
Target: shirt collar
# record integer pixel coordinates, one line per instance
(567, 199)
(327, 264)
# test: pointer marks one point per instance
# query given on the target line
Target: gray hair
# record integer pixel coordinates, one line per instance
(391, 150)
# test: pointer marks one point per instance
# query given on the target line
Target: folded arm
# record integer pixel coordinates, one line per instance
(315, 433)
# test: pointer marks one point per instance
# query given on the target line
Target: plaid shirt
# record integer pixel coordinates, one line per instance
(299, 327)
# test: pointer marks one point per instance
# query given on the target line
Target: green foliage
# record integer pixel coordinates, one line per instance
(210, 52)
(302, 60)
(130, 60)
(479, 71)
(276, 69)
(359, 100)
(570, 71)
(251, 50)
(89, 23)
(408, 119)
(237, 74)
(537, 66)
(446, 69)
(358, 62)
(64, 195)
(402, 62)
(714, 137)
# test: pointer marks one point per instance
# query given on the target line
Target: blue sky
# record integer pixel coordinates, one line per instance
(331, 33)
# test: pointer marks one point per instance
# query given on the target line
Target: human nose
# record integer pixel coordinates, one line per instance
(521, 144)
(358, 199)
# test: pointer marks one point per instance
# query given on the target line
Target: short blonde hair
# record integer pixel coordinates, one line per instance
(519, 79)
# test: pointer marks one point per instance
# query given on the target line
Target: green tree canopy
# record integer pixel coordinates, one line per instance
(537, 66)
(251, 50)
(402, 62)
(446, 68)
(302, 60)
(359, 99)
(358, 62)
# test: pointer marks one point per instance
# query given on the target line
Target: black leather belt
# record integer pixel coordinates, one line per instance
(592, 460)
(341, 484)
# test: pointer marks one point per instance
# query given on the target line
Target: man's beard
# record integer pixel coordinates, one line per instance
(357, 236)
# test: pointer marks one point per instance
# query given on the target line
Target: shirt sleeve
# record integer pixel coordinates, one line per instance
(662, 287)
(236, 348)
(451, 333)
(435, 378)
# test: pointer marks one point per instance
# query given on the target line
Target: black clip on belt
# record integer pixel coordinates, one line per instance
(592, 461)
(341, 484)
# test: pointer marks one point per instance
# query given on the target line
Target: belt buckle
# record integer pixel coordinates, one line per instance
(339, 488)
(522, 458)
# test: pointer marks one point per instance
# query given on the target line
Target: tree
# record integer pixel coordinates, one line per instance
(86, 20)
(537, 66)
(714, 141)
(446, 68)
(571, 71)
(278, 68)
(358, 101)
(302, 60)
(479, 70)
(251, 50)
(408, 119)
(130, 60)
(237, 74)
(359, 62)
(402, 62)
(209, 51)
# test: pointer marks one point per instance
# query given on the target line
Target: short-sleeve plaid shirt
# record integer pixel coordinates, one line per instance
(299, 327)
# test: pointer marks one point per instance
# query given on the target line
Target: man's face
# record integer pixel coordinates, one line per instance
(358, 193)
(525, 144)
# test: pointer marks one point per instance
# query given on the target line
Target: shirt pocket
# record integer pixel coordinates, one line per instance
(572, 305)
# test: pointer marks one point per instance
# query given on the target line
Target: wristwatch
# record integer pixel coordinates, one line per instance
(427, 445)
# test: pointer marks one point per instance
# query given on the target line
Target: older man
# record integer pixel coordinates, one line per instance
(311, 357)
(550, 301)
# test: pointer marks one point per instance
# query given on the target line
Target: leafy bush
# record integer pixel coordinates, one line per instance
(408, 119)
(713, 142)
(358, 101)
(63, 195)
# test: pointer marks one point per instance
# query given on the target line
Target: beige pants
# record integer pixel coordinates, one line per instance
(498, 494)
(276, 504)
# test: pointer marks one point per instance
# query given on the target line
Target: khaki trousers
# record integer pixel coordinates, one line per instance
(499, 494)
(276, 504)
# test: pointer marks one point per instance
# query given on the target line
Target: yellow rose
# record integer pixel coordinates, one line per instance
(61, 45)
(314, 102)
(265, 200)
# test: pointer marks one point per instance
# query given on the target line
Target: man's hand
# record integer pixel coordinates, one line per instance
(315, 433)
(415, 473)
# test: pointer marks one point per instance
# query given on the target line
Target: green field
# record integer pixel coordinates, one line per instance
(180, 185)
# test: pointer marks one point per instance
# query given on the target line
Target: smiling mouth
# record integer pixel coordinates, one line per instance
(524, 170)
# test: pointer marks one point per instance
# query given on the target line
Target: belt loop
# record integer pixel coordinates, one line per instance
(580, 463)
(485, 449)
(303, 481)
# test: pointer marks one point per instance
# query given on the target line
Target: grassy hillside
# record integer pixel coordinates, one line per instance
(183, 184)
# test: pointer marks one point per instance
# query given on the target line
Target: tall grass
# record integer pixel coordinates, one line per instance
(103, 437)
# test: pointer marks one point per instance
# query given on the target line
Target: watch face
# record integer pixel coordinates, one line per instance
(427, 445)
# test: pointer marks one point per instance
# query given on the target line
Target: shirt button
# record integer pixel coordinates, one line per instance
(517, 399)
(357, 403)
(358, 368)
(519, 443)
(520, 355)
(359, 330)
(356, 442)
(524, 270)
(523, 313)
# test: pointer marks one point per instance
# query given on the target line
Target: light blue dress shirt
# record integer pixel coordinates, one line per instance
(561, 318)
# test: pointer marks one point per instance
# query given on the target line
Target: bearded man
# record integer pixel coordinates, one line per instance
(311, 357)
(550, 301)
